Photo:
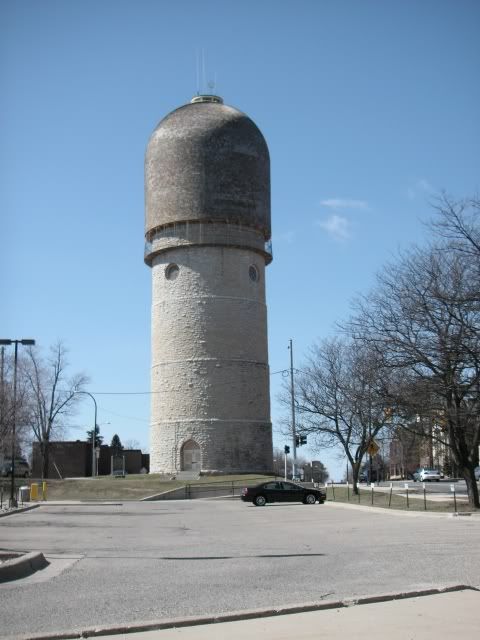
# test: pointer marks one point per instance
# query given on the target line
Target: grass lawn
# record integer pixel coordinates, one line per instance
(397, 501)
(132, 487)
(136, 487)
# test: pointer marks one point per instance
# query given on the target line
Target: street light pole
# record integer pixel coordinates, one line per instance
(294, 431)
(94, 457)
(29, 342)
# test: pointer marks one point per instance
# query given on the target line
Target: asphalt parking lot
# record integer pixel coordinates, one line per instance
(144, 561)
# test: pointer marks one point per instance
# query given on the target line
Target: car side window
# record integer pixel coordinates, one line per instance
(290, 487)
(271, 485)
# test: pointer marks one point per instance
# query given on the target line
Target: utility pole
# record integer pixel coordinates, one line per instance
(294, 431)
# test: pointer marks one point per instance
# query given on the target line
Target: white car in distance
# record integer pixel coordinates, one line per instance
(426, 475)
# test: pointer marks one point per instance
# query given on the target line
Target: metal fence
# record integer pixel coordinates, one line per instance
(218, 489)
(412, 496)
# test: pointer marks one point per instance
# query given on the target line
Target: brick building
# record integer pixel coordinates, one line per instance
(73, 459)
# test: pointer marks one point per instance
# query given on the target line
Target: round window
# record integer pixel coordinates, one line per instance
(253, 273)
(171, 271)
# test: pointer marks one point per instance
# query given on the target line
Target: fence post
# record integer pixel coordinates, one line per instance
(452, 488)
(333, 491)
(408, 503)
(424, 497)
(372, 484)
(348, 491)
(358, 494)
(390, 496)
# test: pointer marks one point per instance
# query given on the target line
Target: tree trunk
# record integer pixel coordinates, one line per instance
(355, 474)
(468, 474)
(45, 458)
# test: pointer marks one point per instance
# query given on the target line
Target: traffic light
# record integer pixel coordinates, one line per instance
(287, 449)
(299, 440)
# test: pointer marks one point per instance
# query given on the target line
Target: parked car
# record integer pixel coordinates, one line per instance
(426, 475)
(277, 491)
(22, 468)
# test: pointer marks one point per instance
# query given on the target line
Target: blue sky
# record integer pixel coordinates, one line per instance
(369, 108)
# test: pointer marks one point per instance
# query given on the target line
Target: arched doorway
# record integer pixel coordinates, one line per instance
(191, 456)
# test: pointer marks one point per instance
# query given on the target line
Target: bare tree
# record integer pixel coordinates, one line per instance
(6, 406)
(458, 222)
(53, 395)
(423, 318)
(340, 399)
(132, 444)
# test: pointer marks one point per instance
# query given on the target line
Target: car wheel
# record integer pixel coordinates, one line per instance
(310, 498)
(260, 501)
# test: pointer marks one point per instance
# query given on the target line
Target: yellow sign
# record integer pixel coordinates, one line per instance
(373, 448)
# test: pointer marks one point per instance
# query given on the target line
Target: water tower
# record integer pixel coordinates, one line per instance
(207, 228)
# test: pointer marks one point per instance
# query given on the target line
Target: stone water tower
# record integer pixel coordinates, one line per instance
(207, 228)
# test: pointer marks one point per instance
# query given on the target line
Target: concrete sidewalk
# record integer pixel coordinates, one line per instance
(445, 615)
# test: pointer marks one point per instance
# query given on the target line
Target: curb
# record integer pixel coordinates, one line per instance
(22, 566)
(413, 513)
(249, 614)
(19, 510)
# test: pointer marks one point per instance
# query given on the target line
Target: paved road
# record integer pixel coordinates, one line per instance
(144, 561)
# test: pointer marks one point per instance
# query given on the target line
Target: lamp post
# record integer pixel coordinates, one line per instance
(26, 342)
(94, 457)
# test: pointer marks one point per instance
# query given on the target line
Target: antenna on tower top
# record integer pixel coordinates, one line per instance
(197, 56)
(212, 84)
(204, 87)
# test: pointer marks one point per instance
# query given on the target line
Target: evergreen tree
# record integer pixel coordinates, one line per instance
(98, 437)
(116, 444)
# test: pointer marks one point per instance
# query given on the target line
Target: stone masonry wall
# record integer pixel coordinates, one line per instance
(210, 377)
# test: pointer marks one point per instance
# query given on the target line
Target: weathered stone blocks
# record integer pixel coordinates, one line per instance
(207, 220)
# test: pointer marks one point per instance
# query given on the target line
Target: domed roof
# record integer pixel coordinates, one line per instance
(207, 161)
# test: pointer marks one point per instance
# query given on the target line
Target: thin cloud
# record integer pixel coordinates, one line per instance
(425, 185)
(410, 193)
(336, 226)
(345, 203)
(420, 188)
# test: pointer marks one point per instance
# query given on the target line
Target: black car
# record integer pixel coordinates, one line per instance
(280, 491)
